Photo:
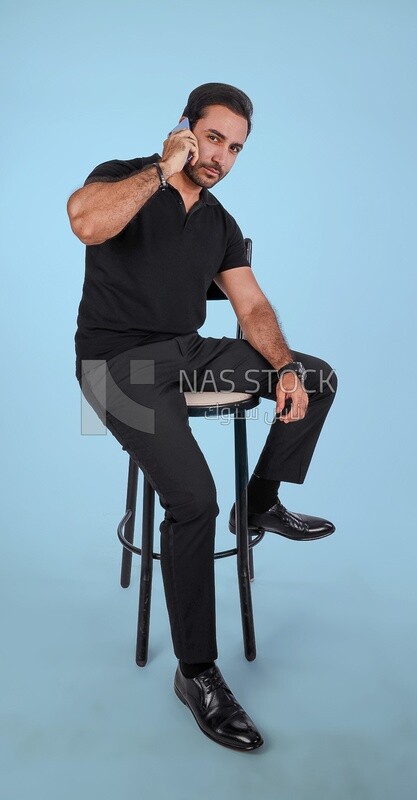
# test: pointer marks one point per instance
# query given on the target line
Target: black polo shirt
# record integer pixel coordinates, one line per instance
(150, 281)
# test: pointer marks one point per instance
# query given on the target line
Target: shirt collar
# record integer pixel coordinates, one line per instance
(206, 197)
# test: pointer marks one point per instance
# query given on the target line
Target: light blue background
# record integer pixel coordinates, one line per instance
(326, 189)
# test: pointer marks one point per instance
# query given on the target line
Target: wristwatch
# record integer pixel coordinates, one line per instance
(294, 366)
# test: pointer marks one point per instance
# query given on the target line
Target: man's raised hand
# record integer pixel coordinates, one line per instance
(177, 148)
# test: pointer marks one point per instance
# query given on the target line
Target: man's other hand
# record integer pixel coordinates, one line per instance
(290, 389)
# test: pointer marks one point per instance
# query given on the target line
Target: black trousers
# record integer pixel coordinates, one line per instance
(139, 397)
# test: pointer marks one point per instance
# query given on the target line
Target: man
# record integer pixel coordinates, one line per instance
(156, 238)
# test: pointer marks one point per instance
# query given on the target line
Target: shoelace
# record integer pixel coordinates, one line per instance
(289, 518)
(212, 682)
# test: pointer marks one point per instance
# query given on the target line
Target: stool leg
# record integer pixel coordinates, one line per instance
(251, 566)
(132, 490)
(145, 586)
(241, 507)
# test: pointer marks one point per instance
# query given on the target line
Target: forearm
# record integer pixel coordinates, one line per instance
(262, 331)
(101, 210)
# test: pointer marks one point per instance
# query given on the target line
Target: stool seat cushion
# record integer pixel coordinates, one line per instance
(215, 398)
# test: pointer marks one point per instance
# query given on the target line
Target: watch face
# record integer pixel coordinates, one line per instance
(299, 370)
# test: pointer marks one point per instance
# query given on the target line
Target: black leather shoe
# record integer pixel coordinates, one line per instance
(301, 527)
(216, 710)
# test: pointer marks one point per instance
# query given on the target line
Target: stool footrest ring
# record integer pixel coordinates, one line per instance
(157, 556)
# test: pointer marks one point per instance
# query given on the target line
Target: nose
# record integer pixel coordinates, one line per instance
(219, 157)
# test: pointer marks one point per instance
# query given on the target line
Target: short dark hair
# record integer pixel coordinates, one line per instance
(218, 94)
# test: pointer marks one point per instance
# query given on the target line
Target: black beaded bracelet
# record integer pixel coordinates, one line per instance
(162, 180)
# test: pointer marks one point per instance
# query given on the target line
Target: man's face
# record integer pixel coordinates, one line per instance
(220, 134)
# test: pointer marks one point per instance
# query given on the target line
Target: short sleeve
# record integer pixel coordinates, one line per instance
(117, 170)
(235, 255)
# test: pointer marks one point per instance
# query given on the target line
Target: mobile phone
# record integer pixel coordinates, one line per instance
(183, 125)
(285, 410)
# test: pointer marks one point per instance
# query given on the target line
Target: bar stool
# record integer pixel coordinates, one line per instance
(199, 404)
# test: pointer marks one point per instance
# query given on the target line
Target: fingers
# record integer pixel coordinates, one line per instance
(295, 413)
(193, 148)
(295, 401)
(298, 410)
(281, 398)
(194, 159)
(179, 136)
(177, 148)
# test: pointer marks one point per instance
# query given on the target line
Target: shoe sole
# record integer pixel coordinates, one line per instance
(213, 738)
(286, 535)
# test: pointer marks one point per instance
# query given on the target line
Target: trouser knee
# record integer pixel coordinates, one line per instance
(199, 504)
(329, 378)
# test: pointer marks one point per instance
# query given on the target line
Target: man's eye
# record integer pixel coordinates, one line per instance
(212, 136)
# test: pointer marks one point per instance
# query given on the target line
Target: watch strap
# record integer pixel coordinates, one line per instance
(294, 366)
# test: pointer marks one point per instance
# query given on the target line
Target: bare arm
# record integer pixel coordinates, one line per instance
(102, 209)
(255, 314)
(261, 329)
(263, 332)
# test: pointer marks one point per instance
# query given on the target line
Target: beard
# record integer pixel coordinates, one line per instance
(194, 174)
